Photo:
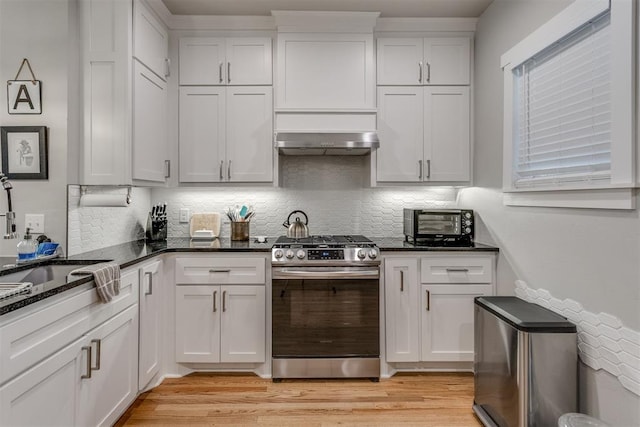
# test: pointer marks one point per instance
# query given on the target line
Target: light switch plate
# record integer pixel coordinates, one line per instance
(184, 215)
(35, 222)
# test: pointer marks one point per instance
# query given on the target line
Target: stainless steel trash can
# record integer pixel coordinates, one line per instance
(526, 363)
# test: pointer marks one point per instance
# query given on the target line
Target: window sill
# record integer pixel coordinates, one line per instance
(600, 198)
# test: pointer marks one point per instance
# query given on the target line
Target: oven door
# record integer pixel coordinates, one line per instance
(325, 312)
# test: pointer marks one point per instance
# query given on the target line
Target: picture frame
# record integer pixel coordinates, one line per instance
(24, 152)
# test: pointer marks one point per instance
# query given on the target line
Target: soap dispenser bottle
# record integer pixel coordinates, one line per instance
(27, 248)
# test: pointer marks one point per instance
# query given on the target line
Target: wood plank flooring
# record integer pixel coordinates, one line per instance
(421, 399)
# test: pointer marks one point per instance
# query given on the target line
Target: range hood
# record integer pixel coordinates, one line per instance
(326, 143)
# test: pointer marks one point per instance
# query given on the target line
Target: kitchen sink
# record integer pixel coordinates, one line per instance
(42, 274)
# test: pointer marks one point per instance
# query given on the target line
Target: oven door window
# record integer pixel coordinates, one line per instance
(449, 224)
(325, 318)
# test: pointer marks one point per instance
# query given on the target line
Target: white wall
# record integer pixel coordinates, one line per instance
(589, 256)
(37, 30)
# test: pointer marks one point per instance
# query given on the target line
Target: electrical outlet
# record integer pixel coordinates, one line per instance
(184, 215)
(35, 222)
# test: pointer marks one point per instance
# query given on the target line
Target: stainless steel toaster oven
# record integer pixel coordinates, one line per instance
(439, 227)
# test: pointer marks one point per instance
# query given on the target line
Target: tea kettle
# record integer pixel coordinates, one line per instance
(298, 229)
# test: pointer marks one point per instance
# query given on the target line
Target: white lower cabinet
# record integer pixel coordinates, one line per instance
(429, 305)
(220, 324)
(151, 288)
(83, 360)
(401, 308)
(89, 382)
(447, 321)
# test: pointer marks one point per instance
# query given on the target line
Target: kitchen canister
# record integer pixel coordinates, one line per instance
(240, 230)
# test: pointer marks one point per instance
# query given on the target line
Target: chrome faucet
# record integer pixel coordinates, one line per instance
(10, 215)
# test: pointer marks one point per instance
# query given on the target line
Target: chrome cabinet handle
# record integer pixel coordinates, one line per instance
(88, 374)
(228, 72)
(220, 80)
(220, 270)
(457, 270)
(98, 353)
(420, 72)
(150, 275)
(428, 73)
(428, 300)
(401, 280)
(215, 294)
(229, 171)
(224, 301)
(221, 164)
(428, 168)
(167, 72)
(167, 168)
(420, 168)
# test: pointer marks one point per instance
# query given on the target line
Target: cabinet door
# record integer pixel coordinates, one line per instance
(400, 129)
(151, 288)
(447, 61)
(400, 61)
(202, 134)
(47, 393)
(249, 61)
(113, 385)
(198, 323)
(202, 61)
(318, 71)
(249, 146)
(401, 309)
(446, 133)
(243, 330)
(105, 37)
(150, 40)
(149, 125)
(447, 321)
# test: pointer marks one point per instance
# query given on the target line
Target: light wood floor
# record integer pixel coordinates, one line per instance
(434, 399)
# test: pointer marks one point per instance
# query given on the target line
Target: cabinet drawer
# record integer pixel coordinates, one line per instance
(456, 269)
(220, 270)
(35, 336)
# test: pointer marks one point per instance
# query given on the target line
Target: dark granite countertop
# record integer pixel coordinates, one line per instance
(128, 254)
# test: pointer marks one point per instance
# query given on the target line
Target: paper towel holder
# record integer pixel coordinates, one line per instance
(88, 199)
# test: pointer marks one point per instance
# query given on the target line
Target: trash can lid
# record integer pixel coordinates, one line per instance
(525, 316)
(573, 419)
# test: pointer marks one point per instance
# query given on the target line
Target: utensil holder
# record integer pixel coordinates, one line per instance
(240, 230)
(156, 229)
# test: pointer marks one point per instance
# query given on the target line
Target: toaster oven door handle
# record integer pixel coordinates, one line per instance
(325, 273)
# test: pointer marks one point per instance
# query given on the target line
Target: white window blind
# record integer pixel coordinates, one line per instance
(562, 106)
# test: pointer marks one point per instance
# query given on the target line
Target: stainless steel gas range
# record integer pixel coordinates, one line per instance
(325, 303)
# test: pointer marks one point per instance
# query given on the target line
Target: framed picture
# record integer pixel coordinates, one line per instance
(24, 152)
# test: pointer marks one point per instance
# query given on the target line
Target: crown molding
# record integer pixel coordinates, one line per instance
(290, 21)
(440, 25)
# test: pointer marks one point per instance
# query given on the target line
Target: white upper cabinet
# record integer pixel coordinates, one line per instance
(332, 71)
(225, 61)
(225, 134)
(150, 40)
(424, 134)
(424, 61)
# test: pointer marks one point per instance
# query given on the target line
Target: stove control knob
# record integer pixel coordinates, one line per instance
(362, 254)
(300, 254)
(289, 254)
(278, 253)
(373, 254)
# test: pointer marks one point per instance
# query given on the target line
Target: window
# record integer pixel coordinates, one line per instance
(569, 127)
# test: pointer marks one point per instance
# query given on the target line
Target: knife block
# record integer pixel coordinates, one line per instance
(156, 229)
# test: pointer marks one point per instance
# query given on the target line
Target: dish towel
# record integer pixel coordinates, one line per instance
(107, 278)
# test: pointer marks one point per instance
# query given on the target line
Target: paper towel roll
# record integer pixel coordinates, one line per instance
(103, 200)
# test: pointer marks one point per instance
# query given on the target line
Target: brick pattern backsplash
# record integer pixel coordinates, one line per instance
(333, 192)
(92, 228)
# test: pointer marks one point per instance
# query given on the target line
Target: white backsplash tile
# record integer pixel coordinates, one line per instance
(603, 341)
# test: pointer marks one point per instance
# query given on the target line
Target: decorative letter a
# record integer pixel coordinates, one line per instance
(23, 96)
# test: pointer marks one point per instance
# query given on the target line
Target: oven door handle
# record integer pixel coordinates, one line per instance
(325, 273)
